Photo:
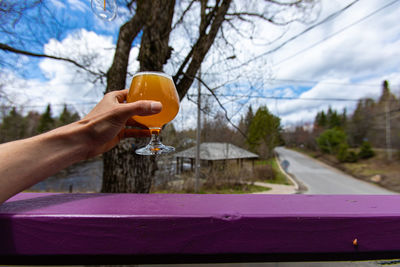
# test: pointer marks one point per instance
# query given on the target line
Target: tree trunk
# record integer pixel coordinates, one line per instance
(124, 171)
(154, 49)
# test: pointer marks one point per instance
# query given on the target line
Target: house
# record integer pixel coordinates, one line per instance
(212, 152)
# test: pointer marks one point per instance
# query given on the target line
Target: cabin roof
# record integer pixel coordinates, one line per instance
(217, 151)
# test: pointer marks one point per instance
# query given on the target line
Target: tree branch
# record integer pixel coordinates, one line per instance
(200, 49)
(222, 107)
(8, 48)
(179, 21)
(290, 3)
(242, 15)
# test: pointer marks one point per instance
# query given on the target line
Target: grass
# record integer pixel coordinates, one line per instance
(244, 189)
(279, 177)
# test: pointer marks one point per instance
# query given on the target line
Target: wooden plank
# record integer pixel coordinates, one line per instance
(46, 228)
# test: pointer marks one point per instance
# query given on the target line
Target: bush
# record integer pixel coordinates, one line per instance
(366, 151)
(232, 176)
(344, 155)
(264, 172)
(352, 157)
(330, 140)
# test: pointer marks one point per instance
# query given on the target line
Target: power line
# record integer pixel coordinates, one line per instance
(337, 32)
(328, 18)
(290, 98)
(325, 82)
(56, 104)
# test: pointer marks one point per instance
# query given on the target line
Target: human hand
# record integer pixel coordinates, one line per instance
(106, 122)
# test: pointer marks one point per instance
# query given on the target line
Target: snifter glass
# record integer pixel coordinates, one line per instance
(157, 86)
(104, 9)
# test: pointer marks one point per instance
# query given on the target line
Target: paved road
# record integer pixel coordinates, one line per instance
(323, 179)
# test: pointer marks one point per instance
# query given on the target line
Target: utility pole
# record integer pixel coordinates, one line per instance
(388, 134)
(197, 167)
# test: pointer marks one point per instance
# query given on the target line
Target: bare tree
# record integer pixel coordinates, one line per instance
(212, 27)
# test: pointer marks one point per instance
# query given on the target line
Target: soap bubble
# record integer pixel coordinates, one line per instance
(105, 9)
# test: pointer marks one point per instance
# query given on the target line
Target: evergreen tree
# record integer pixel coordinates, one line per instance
(359, 124)
(366, 151)
(264, 133)
(333, 119)
(330, 140)
(343, 119)
(386, 94)
(13, 127)
(345, 155)
(66, 117)
(320, 120)
(244, 125)
(46, 121)
(248, 119)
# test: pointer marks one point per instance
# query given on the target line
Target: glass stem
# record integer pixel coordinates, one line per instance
(155, 139)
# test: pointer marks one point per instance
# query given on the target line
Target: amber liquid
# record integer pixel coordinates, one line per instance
(158, 87)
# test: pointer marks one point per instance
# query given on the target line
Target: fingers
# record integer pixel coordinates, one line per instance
(120, 95)
(142, 108)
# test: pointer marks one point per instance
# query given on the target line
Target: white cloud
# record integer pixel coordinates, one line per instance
(65, 82)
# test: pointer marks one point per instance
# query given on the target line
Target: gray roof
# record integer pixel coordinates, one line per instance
(217, 151)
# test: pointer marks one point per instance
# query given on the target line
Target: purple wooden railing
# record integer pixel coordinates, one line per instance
(44, 228)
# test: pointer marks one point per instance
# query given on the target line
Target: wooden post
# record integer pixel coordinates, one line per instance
(181, 167)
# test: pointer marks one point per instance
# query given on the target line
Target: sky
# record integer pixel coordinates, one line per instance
(332, 65)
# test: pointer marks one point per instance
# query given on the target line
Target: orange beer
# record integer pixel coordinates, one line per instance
(159, 87)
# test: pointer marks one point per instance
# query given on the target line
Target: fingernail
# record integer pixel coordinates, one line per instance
(155, 107)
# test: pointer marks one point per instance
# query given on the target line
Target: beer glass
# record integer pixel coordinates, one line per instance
(158, 86)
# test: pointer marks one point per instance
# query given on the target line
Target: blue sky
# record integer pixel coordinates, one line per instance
(347, 57)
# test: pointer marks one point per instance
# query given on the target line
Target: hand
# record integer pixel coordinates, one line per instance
(106, 122)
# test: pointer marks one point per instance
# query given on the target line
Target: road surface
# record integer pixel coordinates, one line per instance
(320, 178)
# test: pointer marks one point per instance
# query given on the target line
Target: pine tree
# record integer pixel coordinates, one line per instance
(320, 120)
(366, 151)
(248, 119)
(330, 140)
(13, 127)
(264, 133)
(46, 121)
(66, 117)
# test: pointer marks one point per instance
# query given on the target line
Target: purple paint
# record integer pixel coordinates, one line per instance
(160, 224)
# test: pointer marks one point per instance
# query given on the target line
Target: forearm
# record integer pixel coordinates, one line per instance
(26, 162)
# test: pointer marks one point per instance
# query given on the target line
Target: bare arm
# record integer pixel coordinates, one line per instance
(26, 162)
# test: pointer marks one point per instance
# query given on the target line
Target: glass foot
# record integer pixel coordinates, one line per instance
(150, 150)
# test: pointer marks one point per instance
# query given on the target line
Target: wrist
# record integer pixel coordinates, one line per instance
(66, 142)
